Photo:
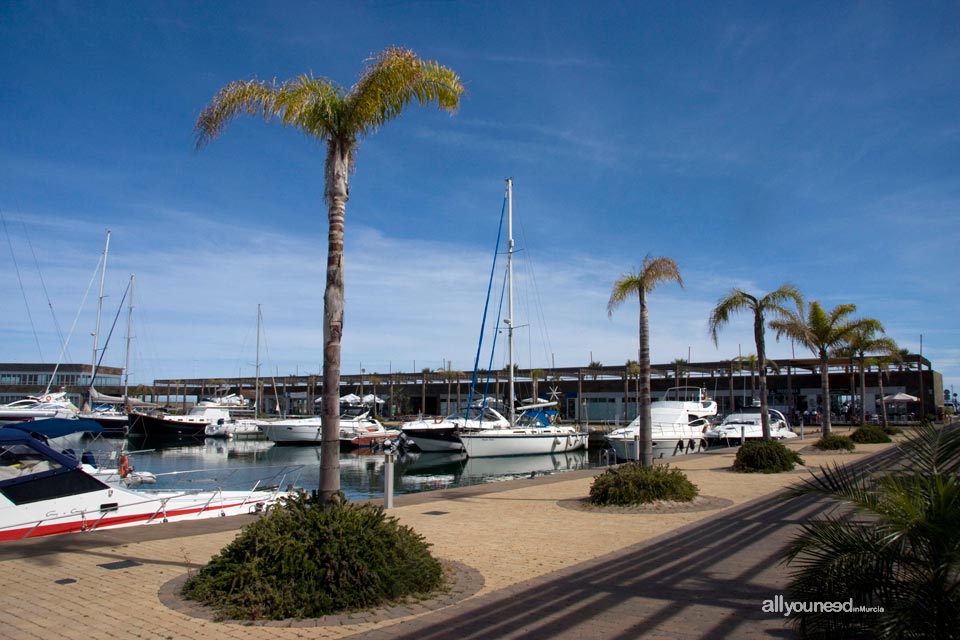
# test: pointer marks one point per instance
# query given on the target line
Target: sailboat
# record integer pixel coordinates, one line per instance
(534, 431)
(102, 408)
(245, 427)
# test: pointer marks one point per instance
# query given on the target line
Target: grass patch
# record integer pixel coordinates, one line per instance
(834, 442)
(630, 484)
(765, 456)
(304, 559)
(869, 434)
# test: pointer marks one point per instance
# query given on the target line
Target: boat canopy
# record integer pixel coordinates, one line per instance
(54, 427)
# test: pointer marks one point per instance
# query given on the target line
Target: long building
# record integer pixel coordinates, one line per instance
(603, 394)
(19, 380)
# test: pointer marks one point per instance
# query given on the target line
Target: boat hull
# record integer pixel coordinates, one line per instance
(626, 448)
(521, 442)
(107, 509)
(440, 440)
(147, 425)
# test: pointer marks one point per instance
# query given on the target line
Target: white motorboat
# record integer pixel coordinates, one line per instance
(45, 492)
(357, 429)
(532, 433)
(442, 433)
(747, 424)
(223, 428)
(48, 405)
(678, 423)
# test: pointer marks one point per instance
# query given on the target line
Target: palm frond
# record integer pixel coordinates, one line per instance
(393, 79)
(734, 302)
(627, 286)
(241, 97)
(657, 270)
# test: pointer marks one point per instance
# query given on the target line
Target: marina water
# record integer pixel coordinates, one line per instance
(240, 464)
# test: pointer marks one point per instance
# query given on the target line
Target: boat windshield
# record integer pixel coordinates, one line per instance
(19, 460)
(489, 414)
(353, 411)
(684, 394)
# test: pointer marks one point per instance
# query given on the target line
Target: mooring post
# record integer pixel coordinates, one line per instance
(388, 481)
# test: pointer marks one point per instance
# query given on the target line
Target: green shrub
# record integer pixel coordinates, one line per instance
(305, 559)
(630, 484)
(765, 456)
(834, 442)
(869, 434)
(891, 430)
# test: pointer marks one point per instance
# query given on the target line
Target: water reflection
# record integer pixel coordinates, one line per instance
(191, 463)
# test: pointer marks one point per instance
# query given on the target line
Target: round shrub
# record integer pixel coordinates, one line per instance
(891, 430)
(306, 559)
(834, 442)
(869, 434)
(630, 484)
(765, 456)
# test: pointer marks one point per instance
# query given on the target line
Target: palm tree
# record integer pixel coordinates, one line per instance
(822, 332)
(772, 303)
(535, 376)
(862, 342)
(640, 284)
(882, 363)
(678, 366)
(340, 117)
(895, 545)
(450, 375)
(375, 380)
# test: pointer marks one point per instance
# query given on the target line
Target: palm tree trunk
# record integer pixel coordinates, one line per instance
(762, 366)
(646, 426)
(825, 390)
(336, 196)
(883, 405)
(863, 391)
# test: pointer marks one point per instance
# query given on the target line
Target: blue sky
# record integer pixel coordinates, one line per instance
(760, 143)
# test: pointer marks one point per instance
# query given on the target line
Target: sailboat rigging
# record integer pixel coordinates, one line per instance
(533, 431)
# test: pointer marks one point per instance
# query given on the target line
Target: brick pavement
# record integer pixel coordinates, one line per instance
(540, 569)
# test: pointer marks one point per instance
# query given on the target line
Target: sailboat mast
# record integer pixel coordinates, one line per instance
(256, 392)
(96, 331)
(126, 358)
(509, 320)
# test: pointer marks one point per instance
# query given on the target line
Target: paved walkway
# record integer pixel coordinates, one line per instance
(532, 565)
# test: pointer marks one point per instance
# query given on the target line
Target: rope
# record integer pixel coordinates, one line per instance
(486, 305)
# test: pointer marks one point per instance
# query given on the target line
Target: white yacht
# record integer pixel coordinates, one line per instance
(45, 492)
(48, 405)
(678, 423)
(747, 424)
(357, 429)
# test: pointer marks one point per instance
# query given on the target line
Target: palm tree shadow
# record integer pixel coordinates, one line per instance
(708, 579)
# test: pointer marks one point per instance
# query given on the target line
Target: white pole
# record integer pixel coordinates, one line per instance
(126, 360)
(509, 320)
(96, 331)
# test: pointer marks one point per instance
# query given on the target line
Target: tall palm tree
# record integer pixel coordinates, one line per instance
(772, 303)
(882, 363)
(822, 331)
(895, 545)
(861, 343)
(340, 117)
(640, 284)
